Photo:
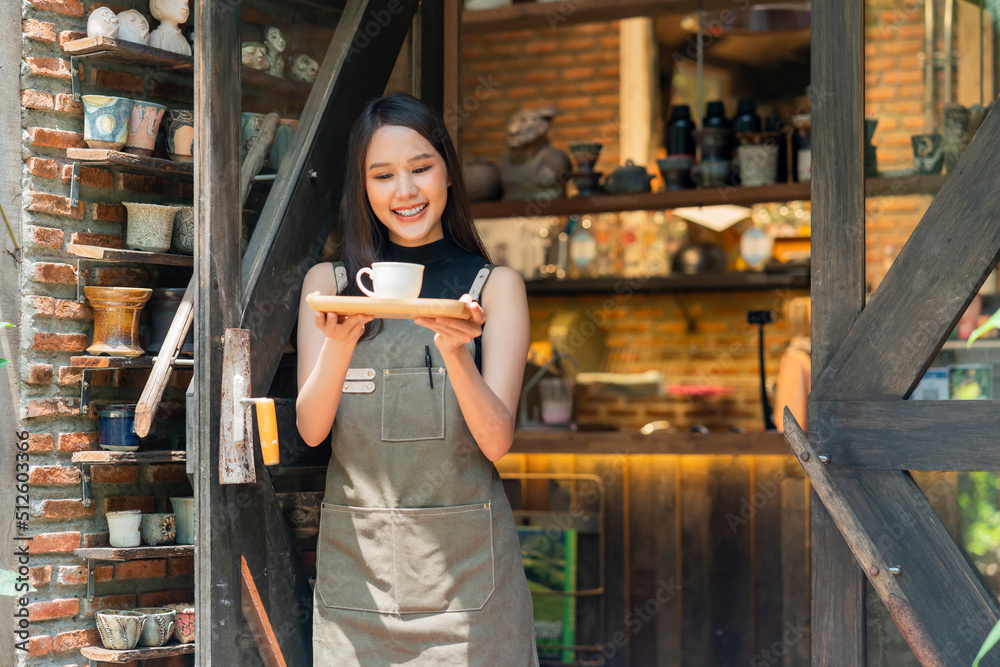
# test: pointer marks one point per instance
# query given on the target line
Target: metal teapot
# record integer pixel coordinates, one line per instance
(630, 178)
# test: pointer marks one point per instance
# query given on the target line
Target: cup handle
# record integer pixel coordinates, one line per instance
(365, 271)
(170, 632)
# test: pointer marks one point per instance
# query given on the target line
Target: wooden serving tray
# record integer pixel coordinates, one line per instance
(400, 309)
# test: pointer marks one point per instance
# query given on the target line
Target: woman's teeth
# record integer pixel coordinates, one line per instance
(407, 212)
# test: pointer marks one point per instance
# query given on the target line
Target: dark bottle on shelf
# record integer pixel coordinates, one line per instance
(746, 119)
(680, 131)
(715, 117)
(775, 123)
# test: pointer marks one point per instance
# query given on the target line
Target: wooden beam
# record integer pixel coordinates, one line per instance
(300, 210)
(936, 275)
(432, 54)
(906, 435)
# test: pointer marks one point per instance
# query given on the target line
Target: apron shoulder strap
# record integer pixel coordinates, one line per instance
(340, 273)
(480, 281)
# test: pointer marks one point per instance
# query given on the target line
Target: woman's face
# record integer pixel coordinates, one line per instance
(407, 183)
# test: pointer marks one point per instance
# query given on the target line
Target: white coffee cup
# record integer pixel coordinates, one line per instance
(393, 280)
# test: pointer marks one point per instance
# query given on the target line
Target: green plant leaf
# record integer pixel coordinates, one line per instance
(991, 640)
(3, 362)
(992, 323)
(8, 580)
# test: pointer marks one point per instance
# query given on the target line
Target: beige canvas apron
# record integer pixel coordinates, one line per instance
(418, 560)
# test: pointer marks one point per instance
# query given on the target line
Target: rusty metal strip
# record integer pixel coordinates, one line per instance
(256, 615)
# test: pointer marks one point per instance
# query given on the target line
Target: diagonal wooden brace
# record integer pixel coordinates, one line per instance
(862, 546)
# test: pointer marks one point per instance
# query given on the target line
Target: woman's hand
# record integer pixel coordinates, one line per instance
(343, 328)
(451, 333)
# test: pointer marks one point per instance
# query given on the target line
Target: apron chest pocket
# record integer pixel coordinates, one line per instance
(406, 560)
(411, 408)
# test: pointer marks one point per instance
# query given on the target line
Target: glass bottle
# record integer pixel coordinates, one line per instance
(680, 131)
(582, 248)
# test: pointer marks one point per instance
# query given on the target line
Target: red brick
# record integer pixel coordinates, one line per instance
(110, 212)
(165, 472)
(102, 240)
(40, 576)
(67, 7)
(160, 598)
(129, 83)
(49, 272)
(94, 540)
(65, 309)
(49, 237)
(76, 442)
(539, 47)
(54, 475)
(145, 504)
(65, 509)
(47, 610)
(38, 646)
(141, 569)
(179, 566)
(143, 183)
(70, 36)
(40, 30)
(40, 374)
(43, 168)
(75, 640)
(40, 442)
(53, 67)
(74, 575)
(115, 474)
(45, 137)
(89, 176)
(101, 602)
(66, 104)
(59, 342)
(37, 99)
(69, 376)
(43, 202)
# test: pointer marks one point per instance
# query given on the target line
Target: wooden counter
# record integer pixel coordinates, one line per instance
(615, 442)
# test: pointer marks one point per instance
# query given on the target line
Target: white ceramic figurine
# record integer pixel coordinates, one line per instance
(133, 27)
(275, 42)
(168, 36)
(254, 56)
(102, 23)
(304, 69)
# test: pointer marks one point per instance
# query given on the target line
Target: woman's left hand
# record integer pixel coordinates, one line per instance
(452, 333)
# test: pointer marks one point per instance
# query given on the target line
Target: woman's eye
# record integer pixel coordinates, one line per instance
(383, 177)
(420, 170)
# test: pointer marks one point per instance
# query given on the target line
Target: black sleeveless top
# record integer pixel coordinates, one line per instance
(449, 271)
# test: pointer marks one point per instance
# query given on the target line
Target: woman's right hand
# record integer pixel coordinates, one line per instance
(343, 328)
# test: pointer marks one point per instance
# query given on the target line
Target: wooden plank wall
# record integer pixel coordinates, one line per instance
(707, 557)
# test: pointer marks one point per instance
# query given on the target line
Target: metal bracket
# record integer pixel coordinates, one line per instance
(91, 578)
(85, 491)
(73, 62)
(82, 271)
(85, 391)
(74, 185)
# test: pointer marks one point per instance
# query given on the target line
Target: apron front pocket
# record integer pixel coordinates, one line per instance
(444, 558)
(411, 408)
(354, 558)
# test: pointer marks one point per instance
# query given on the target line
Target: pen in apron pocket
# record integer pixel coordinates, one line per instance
(427, 359)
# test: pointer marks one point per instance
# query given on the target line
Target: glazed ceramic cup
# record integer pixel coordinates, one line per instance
(928, 153)
(159, 625)
(123, 528)
(585, 153)
(116, 319)
(115, 428)
(182, 240)
(758, 164)
(144, 125)
(393, 280)
(713, 172)
(106, 121)
(120, 630)
(676, 171)
(150, 226)
(157, 529)
(184, 622)
(184, 509)
(180, 135)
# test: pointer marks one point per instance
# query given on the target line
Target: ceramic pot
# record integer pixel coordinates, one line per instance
(588, 183)
(115, 428)
(302, 512)
(758, 164)
(157, 529)
(150, 226)
(676, 172)
(183, 622)
(180, 135)
(182, 240)
(482, 180)
(106, 121)
(123, 528)
(714, 143)
(585, 153)
(116, 319)
(955, 132)
(144, 124)
(805, 165)
(630, 178)
(928, 153)
(184, 509)
(712, 173)
(162, 306)
(120, 630)
(159, 626)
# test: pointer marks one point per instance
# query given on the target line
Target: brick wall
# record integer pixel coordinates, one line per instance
(54, 328)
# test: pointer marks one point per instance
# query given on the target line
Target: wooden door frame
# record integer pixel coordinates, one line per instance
(867, 359)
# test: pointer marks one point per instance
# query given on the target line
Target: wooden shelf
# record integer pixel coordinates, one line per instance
(111, 363)
(101, 654)
(707, 282)
(128, 53)
(123, 159)
(988, 344)
(105, 457)
(121, 255)
(136, 553)
(583, 442)
(905, 185)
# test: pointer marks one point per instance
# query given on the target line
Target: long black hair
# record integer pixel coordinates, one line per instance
(365, 238)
